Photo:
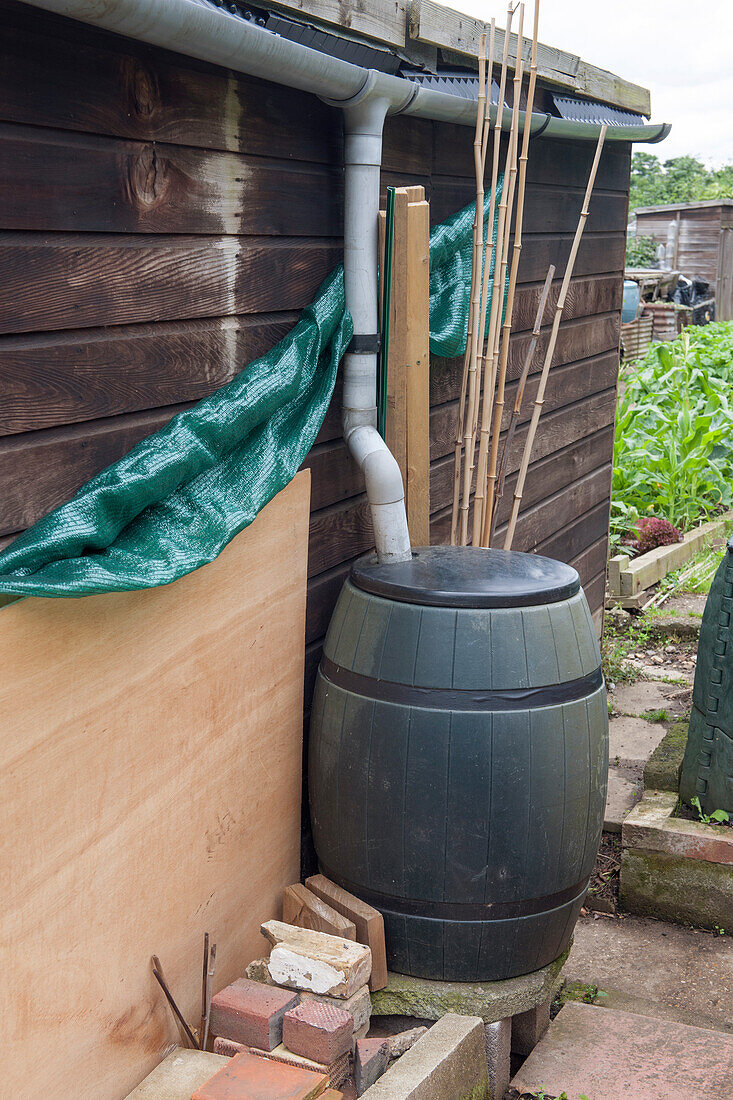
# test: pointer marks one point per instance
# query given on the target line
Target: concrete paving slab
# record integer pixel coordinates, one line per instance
(613, 1055)
(642, 696)
(492, 1001)
(625, 788)
(659, 969)
(632, 741)
(178, 1075)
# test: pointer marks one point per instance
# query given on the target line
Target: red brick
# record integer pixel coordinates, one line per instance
(247, 1077)
(251, 1013)
(227, 1047)
(371, 1058)
(317, 1031)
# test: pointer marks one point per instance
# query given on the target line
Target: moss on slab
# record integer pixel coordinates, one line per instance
(662, 769)
(686, 891)
(492, 1001)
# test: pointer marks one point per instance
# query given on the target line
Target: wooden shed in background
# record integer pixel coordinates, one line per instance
(702, 243)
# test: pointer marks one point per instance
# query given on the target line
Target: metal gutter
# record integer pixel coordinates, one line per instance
(196, 28)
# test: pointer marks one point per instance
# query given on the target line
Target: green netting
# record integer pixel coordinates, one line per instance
(174, 502)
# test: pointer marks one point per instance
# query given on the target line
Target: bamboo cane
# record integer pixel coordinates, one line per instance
(489, 243)
(519, 397)
(490, 502)
(478, 241)
(478, 136)
(539, 399)
(497, 293)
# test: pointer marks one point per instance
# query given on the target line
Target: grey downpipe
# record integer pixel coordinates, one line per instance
(363, 125)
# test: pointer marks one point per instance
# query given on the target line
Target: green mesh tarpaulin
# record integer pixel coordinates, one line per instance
(174, 502)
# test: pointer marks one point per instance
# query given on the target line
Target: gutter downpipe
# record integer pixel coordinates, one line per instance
(197, 29)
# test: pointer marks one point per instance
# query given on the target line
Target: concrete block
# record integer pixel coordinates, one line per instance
(358, 1005)
(247, 1077)
(614, 1055)
(371, 1059)
(317, 1031)
(498, 1047)
(687, 891)
(336, 1073)
(302, 959)
(430, 1000)
(529, 1027)
(251, 1013)
(401, 1042)
(663, 768)
(448, 1063)
(178, 1075)
(653, 827)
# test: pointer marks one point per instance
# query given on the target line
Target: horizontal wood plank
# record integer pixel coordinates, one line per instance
(454, 31)
(67, 282)
(64, 182)
(69, 377)
(60, 73)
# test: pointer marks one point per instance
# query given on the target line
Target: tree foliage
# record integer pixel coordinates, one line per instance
(681, 179)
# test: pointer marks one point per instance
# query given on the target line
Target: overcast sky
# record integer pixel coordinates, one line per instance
(681, 51)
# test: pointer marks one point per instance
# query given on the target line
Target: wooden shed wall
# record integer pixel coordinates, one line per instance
(163, 222)
(699, 238)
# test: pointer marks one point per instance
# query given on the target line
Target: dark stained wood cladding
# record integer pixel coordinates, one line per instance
(163, 221)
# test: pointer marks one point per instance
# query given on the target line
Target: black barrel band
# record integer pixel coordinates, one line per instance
(461, 911)
(406, 695)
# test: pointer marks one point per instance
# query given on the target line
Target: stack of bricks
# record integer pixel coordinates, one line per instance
(303, 1014)
(305, 1010)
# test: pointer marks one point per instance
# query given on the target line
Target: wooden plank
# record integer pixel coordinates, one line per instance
(382, 20)
(305, 909)
(417, 321)
(63, 378)
(67, 378)
(396, 414)
(60, 182)
(568, 382)
(548, 209)
(553, 163)
(647, 569)
(67, 281)
(452, 30)
(142, 788)
(64, 74)
(369, 923)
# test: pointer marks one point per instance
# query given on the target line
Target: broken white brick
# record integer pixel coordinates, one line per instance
(315, 961)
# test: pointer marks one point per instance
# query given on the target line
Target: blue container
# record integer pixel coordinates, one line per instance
(632, 298)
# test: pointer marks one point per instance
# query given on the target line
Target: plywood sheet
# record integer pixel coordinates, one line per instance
(150, 763)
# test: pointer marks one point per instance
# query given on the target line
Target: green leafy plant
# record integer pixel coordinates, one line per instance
(717, 817)
(673, 450)
(641, 251)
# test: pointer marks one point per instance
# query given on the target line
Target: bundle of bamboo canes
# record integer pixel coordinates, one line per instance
(483, 389)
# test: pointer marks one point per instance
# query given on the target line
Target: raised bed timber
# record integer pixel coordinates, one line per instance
(628, 578)
(675, 869)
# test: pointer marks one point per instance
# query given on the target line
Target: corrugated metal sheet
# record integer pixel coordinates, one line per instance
(454, 82)
(580, 110)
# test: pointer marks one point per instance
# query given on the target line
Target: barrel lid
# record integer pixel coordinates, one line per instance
(461, 576)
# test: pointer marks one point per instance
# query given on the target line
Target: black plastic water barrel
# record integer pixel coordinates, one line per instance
(459, 757)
